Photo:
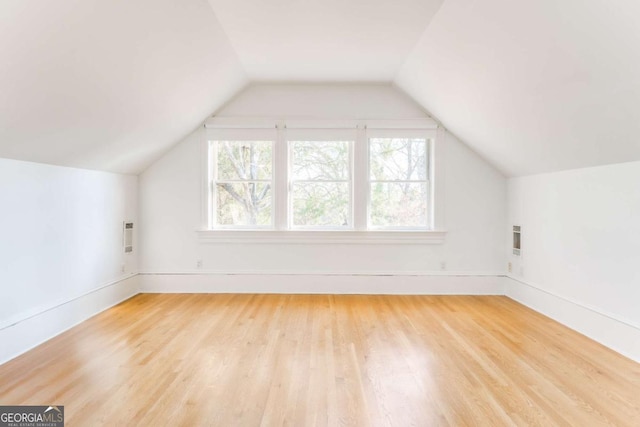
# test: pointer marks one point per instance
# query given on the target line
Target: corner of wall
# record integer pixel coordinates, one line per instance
(33, 329)
(606, 329)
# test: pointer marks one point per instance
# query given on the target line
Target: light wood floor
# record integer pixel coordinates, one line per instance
(274, 360)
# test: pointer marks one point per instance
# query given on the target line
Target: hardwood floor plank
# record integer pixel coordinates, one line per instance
(325, 360)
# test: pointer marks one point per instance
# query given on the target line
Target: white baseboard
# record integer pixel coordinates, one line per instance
(36, 328)
(336, 283)
(617, 334)
(24, 334)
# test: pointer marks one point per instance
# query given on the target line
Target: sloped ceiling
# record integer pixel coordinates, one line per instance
(112, 84)
(534, 86)
(324, 40)
(108, 84)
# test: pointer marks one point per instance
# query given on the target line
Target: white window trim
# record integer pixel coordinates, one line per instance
(359, 234)
(308, 236)
(212, 158)
(292, 226)
(430, 136)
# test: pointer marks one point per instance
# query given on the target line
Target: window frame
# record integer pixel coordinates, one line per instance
(290, 219)
(281, 230)
(214, 181)
(430, 137)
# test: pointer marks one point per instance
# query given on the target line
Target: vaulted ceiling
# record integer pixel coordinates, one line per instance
(321, 40)
(109, 84)
(112, 84)
(533, 86)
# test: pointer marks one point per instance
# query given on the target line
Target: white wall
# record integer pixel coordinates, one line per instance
(61, 240)
(534, 86)
(581, 250)
(170, 202)
(79, 91)
(336, 101)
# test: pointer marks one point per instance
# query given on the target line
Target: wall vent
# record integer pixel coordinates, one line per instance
(516, 240)
(128, 237)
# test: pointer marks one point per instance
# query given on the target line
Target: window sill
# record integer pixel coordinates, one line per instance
(323, 237)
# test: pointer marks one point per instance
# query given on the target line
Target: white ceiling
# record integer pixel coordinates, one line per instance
(108, 84)
(111, 84)
(535, 86)
(324, 40)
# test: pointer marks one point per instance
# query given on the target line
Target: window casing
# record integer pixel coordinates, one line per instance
(242, 183)
(399, 180)
(357, 208)
(320, 183)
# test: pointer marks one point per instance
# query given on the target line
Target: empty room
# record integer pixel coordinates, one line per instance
(319, 213)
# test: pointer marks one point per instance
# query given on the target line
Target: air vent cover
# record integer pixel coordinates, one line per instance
(516, 240)
(128, 237)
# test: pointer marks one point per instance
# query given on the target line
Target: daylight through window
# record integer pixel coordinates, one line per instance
(243, 183)
(320, 183)
(399, 182)
(321, 179)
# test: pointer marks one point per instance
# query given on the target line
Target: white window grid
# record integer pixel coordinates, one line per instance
(214, 181)
(360, 189)
(292, 182)
(429, 141)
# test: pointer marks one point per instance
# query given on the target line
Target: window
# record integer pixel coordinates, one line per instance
(243, 183)
(320, 194)
(398, 182)
(348, 181)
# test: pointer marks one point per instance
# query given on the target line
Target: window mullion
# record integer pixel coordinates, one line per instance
(213, 191)
(401, 181)
(281, 180)
(360, 190)
(241, 181)
(306, 181)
